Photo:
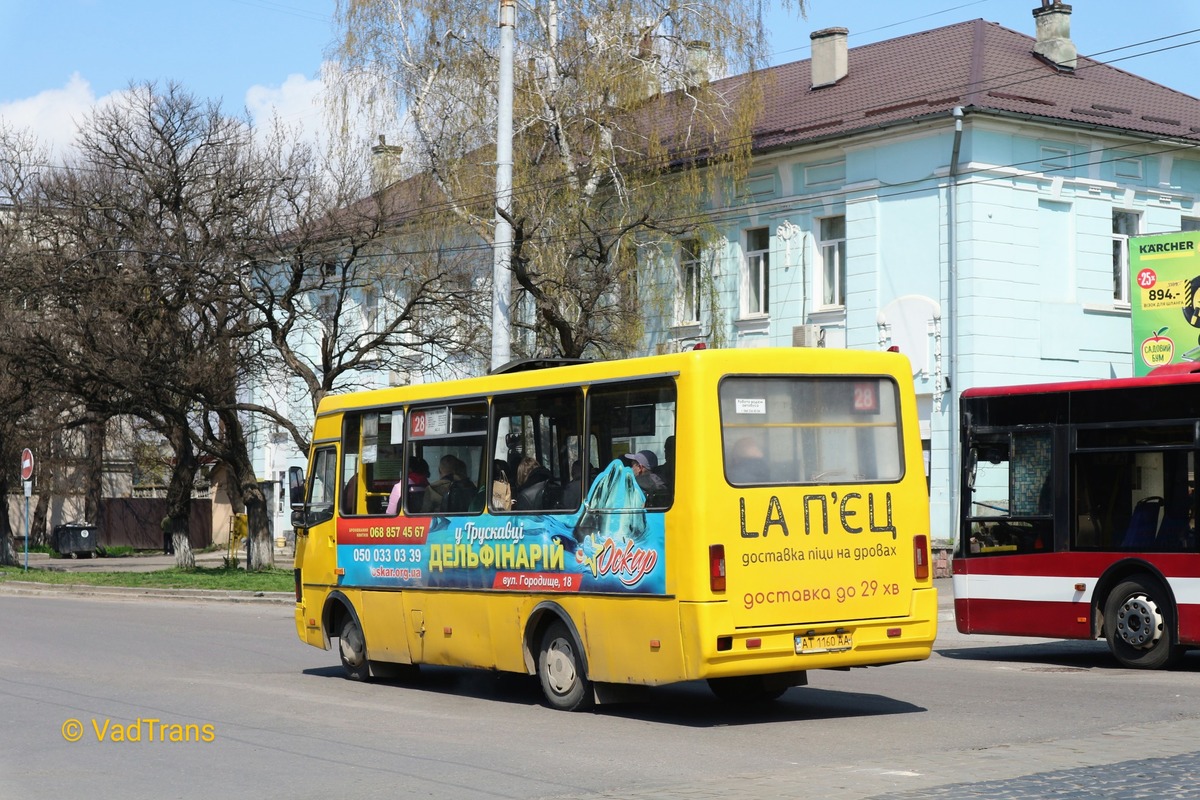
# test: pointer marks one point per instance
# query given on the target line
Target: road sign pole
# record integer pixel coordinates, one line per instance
(27, 477)
(28, 491)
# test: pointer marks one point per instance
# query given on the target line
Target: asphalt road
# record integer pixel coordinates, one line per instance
(983, 718)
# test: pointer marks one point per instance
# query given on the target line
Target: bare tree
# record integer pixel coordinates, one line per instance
(27, 407)
(620, 135)
(128, 285)
(346, 287)
(178, 264)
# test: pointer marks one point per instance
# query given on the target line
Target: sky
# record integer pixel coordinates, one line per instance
(265, 56)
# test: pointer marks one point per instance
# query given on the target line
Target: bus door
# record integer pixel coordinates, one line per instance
(316, 540)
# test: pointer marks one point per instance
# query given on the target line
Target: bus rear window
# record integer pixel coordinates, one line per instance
(810, 430)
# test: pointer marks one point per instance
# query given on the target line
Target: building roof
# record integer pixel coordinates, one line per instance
(978, 65)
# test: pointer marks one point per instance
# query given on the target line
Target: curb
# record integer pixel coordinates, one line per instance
(135, 593)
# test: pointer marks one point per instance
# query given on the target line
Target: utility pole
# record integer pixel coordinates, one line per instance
(502, 254)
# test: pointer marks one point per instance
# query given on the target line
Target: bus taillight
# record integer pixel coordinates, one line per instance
(716, 567)
(299, 591)
(920, 559)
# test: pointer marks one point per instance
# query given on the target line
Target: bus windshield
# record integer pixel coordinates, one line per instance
(808, 430)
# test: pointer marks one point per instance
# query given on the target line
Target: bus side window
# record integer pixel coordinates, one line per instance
(321, 487)
(535, 439)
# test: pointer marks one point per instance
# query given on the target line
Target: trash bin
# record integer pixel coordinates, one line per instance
(75, 539)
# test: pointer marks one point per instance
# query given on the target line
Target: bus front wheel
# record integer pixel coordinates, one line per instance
(353, 648)
(1138, 618)
(561, 670)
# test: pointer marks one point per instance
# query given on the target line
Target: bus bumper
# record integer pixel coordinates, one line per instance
(308, 627)
(720, 650)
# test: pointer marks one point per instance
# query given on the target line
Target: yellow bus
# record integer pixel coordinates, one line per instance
(736, 516)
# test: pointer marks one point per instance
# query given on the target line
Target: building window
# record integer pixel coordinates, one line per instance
(1124, 225)
(370, 310)
(832, 246)
(1189, 224)
(756, 292)
(689, 278)
(327, 307)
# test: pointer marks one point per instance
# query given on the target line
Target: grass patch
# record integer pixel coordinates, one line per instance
(229, 579)
(120, 551)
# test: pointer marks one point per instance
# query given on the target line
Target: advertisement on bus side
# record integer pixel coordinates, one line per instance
(611, 545)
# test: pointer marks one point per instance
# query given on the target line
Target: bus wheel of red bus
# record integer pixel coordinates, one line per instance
(353, 649)
(1138, 618)
(746, 689)
(561, 671)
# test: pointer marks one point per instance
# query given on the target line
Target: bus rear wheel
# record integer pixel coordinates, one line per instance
(1138, 619)
(561, 670)
(746, 689)
(352, 646)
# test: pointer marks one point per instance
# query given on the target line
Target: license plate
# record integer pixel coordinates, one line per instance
(824, 643)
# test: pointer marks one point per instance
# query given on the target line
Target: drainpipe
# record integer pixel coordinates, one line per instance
(951, 317)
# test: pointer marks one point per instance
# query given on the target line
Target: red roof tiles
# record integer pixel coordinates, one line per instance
(978, 65)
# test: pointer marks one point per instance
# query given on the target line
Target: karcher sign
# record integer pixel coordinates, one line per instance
(1164, 273)
(1150, 249)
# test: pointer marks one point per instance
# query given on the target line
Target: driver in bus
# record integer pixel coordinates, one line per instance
(746, 462)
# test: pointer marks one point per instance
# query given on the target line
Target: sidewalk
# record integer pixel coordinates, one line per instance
(140, 563)
(151, 562)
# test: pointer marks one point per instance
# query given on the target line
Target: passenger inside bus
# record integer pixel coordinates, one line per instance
(417, 481)
(666, 468)
(452, 491)
(536, 487)
(350, 495)
(573, 491)
(643, 463)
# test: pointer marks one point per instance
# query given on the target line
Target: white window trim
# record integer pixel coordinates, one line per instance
(688, 290)
(325, 307)
(764, 275)
(1121, 281)
(370, 310)
(819, 273)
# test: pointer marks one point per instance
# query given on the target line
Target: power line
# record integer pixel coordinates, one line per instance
(890, 25)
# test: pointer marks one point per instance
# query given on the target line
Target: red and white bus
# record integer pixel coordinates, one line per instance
(1079, 513)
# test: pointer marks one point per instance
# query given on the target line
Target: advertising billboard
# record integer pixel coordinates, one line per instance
(1164, 273)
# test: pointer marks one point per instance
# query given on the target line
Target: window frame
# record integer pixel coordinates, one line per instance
(837, 247)
(689, 260)
(756, 288)
(1120, 247)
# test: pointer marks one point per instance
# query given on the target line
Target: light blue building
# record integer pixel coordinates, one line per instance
(962, 194)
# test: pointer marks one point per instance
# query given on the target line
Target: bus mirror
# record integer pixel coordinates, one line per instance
(972, 458)
(296, 487)
(298, 518)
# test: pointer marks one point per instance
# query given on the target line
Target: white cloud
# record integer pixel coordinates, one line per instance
(53, 115)
(298, 103)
